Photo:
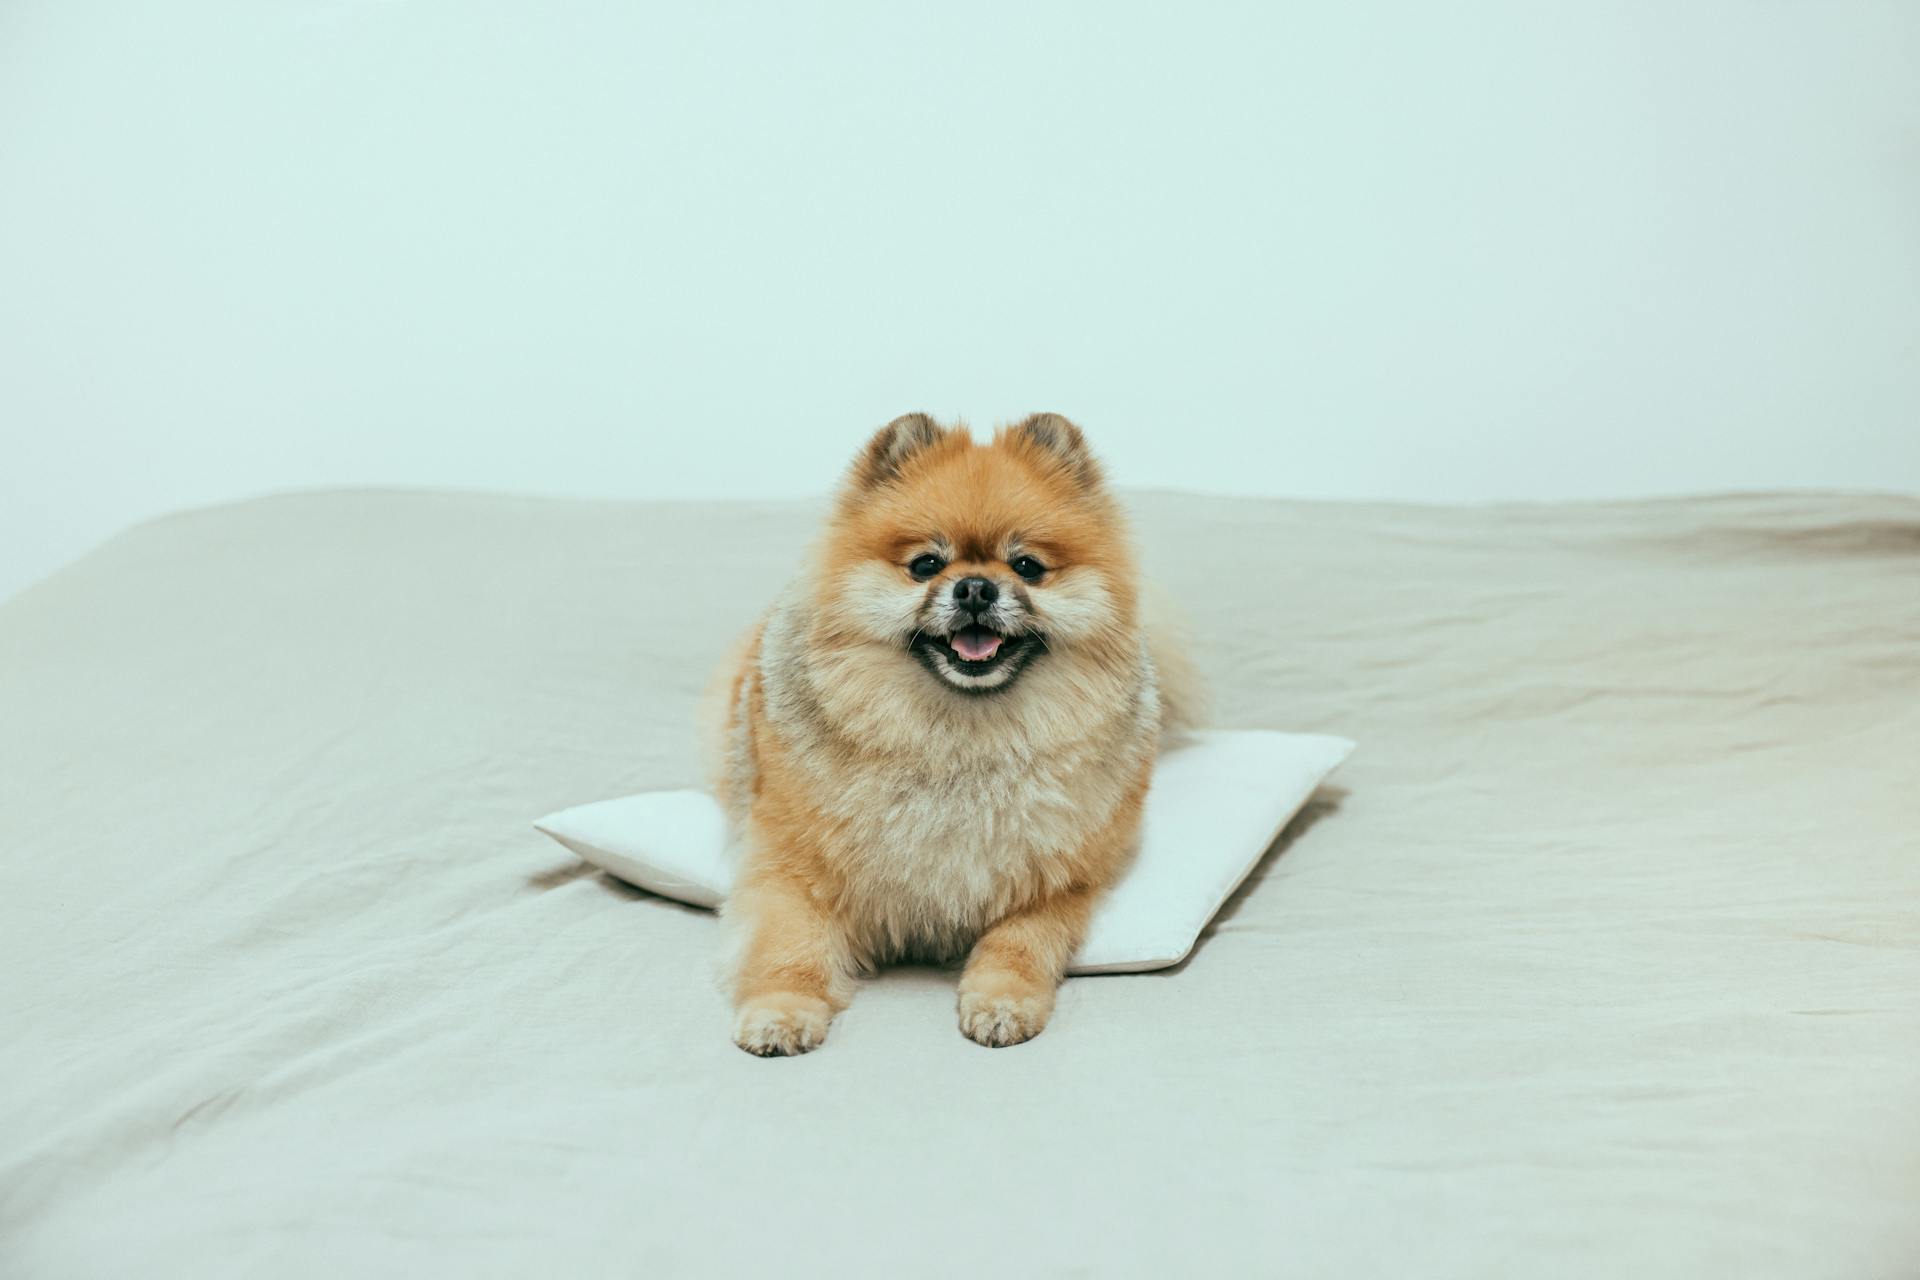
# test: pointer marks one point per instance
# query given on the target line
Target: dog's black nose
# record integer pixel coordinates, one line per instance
(975, 594)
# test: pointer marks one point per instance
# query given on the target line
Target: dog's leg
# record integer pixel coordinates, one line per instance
(794, 971)
(1006, 992)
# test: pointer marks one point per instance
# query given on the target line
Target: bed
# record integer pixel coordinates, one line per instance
(1600, 957)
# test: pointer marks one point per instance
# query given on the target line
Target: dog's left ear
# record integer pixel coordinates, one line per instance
(1061, 441)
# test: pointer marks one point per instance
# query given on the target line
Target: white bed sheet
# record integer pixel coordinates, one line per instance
(1602, 959)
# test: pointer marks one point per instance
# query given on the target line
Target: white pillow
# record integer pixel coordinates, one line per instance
(1218, 801)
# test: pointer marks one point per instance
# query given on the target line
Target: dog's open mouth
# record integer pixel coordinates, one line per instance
(976, 645)
(974, 658)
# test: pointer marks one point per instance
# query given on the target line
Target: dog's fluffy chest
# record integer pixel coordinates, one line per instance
(931, 816)
(931, 857)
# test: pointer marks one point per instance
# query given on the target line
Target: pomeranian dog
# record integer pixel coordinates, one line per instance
(937, 741)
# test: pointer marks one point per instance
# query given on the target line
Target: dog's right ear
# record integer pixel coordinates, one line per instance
(892, 445)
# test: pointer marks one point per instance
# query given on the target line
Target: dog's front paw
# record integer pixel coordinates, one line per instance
(997, 1018)
(781, 1025)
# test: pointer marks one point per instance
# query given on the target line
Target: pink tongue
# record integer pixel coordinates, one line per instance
(976, 646)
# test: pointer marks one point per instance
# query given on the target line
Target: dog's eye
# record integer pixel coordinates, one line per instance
(1027, 567)
(924, 567)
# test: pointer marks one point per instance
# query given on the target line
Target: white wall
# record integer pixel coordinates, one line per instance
(1424, 251)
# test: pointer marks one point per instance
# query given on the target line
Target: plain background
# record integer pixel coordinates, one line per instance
(1439, 252)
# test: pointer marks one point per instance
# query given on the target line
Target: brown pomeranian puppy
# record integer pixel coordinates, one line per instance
(937, 741)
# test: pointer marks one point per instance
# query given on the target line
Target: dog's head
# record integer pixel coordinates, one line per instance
(978, 563)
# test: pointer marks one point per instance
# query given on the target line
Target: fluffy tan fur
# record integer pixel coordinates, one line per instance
(890, 799)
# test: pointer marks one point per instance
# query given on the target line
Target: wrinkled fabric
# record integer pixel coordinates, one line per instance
(1602, 958)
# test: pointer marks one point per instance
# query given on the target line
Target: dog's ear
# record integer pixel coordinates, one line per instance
(892, 445)
(1055, 438)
